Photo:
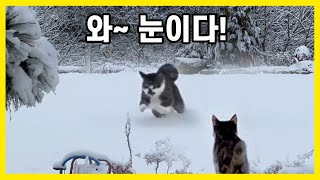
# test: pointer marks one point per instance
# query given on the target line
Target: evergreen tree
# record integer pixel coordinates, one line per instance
(31, 60)
(243, 40)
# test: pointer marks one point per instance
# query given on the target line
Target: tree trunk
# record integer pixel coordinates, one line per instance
(87, 62)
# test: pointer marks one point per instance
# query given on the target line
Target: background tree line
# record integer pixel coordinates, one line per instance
(256, 35)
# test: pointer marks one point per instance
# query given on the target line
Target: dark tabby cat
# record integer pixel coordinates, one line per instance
(229, 151)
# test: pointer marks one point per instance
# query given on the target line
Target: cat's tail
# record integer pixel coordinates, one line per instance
(240, 153)
(169, 70)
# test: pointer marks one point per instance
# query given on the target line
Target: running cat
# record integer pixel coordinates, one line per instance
(160, 93)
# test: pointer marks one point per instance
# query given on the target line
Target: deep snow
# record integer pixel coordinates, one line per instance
(275, 118)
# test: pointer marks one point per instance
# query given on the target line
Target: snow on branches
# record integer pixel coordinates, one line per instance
(31, 60)
(166, 152)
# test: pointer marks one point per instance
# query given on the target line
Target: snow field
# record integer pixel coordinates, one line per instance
(275, 119)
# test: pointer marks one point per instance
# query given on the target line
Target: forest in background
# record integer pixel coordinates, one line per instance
(262, 35)
(43, 40)
(32, 71)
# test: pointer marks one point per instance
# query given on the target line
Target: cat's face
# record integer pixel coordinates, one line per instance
(224, 128)
(153, 83)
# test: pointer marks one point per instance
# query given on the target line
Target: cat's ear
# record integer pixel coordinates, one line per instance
(234, 119)
(214, 120)
(143, 75)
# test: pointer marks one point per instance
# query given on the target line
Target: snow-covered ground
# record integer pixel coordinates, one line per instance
(275, 118)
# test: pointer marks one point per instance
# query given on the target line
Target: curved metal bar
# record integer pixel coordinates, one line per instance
(78, 157)
(72, 166)
(109, 164)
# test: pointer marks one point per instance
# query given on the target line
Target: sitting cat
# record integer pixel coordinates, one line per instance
(229, 152)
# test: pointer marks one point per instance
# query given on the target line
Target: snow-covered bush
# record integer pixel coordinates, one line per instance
(281, 59)
(302, 164)
(302, 53)
(165, 152)
(31, 60)
(288, 58)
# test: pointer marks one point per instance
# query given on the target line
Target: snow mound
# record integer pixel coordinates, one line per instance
(189, 65)
(195, 62)
(302, 53)
(303, 66)
(69, 69)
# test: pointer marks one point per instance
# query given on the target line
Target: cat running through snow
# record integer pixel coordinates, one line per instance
(160, 93)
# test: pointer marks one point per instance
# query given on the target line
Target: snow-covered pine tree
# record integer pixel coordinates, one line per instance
(31, 60)
(243, 41)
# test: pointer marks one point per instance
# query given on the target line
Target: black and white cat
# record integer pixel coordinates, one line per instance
(159, 92)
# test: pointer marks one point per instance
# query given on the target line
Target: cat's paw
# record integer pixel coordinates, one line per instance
(143, 107)
(163, 109)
